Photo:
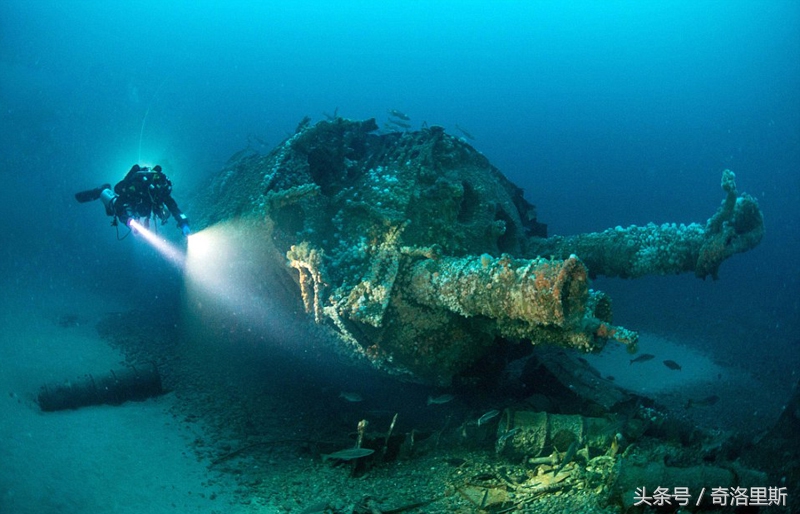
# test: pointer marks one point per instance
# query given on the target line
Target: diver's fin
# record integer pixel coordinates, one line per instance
(91, 194)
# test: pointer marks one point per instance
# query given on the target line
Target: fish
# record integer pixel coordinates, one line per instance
(488, 416)
(348, 454)
(399, 115)
(643, 358)
(571, 451)
(351, 397)
(705, 402)
(400, 124)
(672, 365)
(466, 134)
(438, 400)
(508, 434)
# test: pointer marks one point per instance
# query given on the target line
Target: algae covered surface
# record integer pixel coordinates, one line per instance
(415, 253)
(410, 252)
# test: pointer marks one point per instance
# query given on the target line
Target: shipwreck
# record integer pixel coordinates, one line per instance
(410, 250)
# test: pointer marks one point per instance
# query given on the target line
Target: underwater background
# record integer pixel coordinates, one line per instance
(606, 113)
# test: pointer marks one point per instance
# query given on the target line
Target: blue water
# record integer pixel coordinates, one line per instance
(606, 113)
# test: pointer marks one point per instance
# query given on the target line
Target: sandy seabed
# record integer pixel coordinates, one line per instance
(141, 458)
(133, 458)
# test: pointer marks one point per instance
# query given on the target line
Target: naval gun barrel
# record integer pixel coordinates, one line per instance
(737, 226)
(542, 300)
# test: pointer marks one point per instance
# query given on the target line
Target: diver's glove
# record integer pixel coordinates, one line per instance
(186, 230)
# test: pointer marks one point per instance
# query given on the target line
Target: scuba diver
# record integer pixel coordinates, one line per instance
(143, 193)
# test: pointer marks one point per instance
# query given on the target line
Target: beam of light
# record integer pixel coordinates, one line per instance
(164, 247)
(209, 258)
(230, 284)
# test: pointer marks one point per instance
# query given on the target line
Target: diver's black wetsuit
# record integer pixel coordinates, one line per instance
(143, 193)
